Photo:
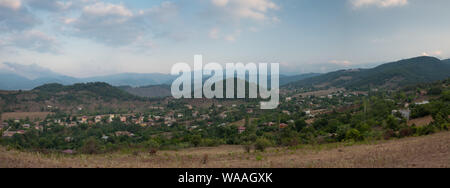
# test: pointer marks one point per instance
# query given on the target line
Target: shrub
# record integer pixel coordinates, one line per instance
(261, 144)
(90, 146)
(353, 134)
(152, 144)
(405, 132)
(445, 126)
(388, 134)
(205, 159)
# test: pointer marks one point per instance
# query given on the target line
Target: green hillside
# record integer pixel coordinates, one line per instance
(390, 75)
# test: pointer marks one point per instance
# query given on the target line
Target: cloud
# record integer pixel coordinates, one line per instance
(214, 33)
(53, 5)
(11, 4)
(15, 17)
(378, 3)
(345, 63)
(32, 40)
(246, 9)
(107, 9)
(115, 24)
(32, 71)
(437, 53)
(229, 17)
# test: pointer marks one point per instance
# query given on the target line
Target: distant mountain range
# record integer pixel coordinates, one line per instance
(389, 75)
(26, 77)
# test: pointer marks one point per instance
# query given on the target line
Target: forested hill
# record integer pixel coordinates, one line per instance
(390, 75)
(96, 90)
(93, 95)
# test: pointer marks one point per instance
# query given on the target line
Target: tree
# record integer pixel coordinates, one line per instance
(300, 124)
(196, 140)
(392, 123)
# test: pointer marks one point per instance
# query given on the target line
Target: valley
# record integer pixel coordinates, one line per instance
(312, 127)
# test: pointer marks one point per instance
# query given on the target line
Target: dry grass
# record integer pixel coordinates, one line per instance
(420, 122)
(23, 115)
(428, 151)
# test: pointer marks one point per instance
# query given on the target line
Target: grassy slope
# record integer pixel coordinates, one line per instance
(428, 151)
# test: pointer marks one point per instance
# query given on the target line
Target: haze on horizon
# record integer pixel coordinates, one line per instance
(84, 38)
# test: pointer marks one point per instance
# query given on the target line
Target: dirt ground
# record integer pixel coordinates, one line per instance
(414, 152)
(420, 122)
(23, 115)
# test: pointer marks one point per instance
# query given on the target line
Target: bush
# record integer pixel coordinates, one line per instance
(353, 134)
(445, 126)
(405, 132)
(388, 134)
(152, 144)
(90, 146)
(261, 144)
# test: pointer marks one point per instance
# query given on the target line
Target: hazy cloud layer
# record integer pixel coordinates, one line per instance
(14, 16)
(379, 3)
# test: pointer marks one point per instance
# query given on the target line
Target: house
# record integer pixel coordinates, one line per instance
(111, 118)
(84, 119)
(423, 103)
(124, 133)
(288, 99)
(98, 119)
(123, 119)
(10, 134)
(405, 113)
(180, 115)
(26, 126)
(68, 139)
(286, 112)
(72, 124)
(223, 115)
(283, 125)
(68, 152)
(104, 137)
(270, 124)
(241, 129)
(205, 116)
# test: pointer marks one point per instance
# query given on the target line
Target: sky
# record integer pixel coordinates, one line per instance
(84, 38)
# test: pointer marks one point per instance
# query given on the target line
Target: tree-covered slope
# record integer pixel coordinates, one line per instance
(390, 75)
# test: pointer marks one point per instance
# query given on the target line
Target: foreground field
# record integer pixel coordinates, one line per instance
(429, 151)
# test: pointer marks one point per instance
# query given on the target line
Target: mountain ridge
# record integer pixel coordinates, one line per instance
(406, 71)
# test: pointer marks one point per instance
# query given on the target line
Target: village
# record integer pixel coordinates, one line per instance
(309, 104)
